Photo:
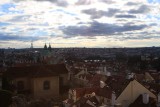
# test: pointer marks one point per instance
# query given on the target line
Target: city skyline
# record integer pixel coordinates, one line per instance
(79, 23)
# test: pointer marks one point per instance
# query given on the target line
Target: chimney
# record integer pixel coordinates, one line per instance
(108, 73)
(145, 98)
(102, 84)
(69, 94)
(74, 95)
(105, 69)
(93, 94)
(130, 76)
(113, 98)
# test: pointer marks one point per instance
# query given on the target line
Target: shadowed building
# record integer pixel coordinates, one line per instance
(41, 81)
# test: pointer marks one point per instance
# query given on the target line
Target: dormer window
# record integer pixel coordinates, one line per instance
(46, 85)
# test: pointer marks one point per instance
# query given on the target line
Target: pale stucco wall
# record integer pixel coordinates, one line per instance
(131, 93)
(39, 92)
(25, 80)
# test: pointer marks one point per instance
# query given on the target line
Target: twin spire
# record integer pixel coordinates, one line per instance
(49, 47)
(45, 46)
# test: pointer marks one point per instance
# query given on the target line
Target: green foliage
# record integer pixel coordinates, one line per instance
(5, 83)
(5, 98)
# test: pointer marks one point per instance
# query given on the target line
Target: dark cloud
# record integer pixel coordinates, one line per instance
(142, 9)
(12, 37)
(131, 4)
(88, 2)
(153, 24)
(62, 3)
(107, 1)
(138, 37)
(3, 28)
(32, 29)
(125, 16)
(83, 2)
(20, 18)
(100, 29)
(95, 14)
(112, 11)
(64, 43)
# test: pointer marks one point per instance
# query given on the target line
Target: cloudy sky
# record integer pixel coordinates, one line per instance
(79, 23)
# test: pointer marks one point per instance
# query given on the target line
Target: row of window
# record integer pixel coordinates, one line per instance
(20, 85)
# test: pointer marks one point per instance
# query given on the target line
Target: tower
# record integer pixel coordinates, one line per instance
(49, 48)
(45, 47)
(31, 45)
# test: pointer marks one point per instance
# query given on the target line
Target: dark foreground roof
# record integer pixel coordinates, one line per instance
(139, 102)
(36, 71)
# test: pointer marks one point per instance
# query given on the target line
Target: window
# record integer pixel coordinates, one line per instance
(46, 85)
(20, 85)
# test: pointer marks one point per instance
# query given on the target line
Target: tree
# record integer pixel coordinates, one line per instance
(5, 98)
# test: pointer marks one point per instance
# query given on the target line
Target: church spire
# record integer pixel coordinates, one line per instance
(49, 48)
(45, 47)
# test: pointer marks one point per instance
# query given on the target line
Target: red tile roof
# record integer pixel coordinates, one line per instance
(87, 76)
(140, 77)
(95, 80)
(80, 92)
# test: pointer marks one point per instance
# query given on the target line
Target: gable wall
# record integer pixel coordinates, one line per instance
(25, 80)
(131, 93)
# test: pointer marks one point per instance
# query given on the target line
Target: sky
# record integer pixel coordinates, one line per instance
(79, 23)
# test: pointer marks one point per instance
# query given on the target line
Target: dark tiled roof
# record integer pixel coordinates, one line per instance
(24, 64)
(139, 102)
(94, 101)
(155, 88)
(140, 77)
(105, 92)
(82, 102)
(95, 80)
(117, 83)
(36, 71)
(76, 71)
(86, 105)
(156, 76)
(58, 68)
